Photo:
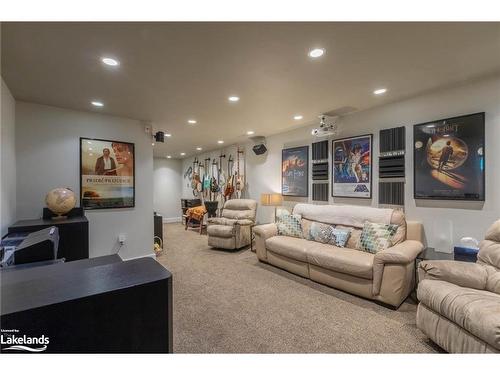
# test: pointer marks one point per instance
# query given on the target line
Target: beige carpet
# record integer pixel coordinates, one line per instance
(229, 302)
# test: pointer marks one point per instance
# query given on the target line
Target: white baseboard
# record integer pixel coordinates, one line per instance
(167, 220)
(152, 255)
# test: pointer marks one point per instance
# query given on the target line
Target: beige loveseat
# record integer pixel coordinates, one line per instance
(232, 230)
(459, 305)
(387, 276)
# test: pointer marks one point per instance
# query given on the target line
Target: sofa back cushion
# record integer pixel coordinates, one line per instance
(240, 209)
(489, 248)
(348, 216)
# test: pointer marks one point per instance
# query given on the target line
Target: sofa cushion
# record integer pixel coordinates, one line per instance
(477, 311)
(218, 230)
(290, 247)
(377, 237)
(349, 261)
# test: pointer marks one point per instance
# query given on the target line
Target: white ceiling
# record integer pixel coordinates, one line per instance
(172, 72)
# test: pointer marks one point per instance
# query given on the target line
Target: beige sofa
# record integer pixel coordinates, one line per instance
(387, 276)
(232, 230)
(459, 305)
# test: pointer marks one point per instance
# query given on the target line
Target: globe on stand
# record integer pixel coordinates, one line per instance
(60, 201)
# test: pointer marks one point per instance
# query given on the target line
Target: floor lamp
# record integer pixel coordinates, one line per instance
(271, 199)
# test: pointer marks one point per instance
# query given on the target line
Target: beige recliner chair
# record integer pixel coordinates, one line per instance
(232, 229)
(460, 302)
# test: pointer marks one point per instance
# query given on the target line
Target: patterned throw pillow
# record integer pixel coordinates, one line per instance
(377, 237)
(320, 232)
(289, 225)
(326, 233)
(341, 236)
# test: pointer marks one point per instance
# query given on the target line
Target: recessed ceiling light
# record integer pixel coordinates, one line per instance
(250, 132)
(298, 117)
(169, 157)
(233, 98)
(316, 52)
(220, 142)
(90, 148)
(183, 153)
(168, 135)
(152, 144)
(199, 148)
(192, 121)
(380, 91)
(109, 61)
(97, 104)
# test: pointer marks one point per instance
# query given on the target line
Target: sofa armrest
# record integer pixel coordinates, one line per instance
(266, 230)
(262, 233)
(465, 274)
(403, 253)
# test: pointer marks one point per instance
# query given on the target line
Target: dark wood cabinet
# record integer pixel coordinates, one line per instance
(73, 234)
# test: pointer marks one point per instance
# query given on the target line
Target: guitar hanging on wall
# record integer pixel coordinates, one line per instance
(240, 183)
(221, 177)
(195, 180)
(229, 190)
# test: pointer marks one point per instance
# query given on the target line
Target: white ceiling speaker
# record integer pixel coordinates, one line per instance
(327, 126)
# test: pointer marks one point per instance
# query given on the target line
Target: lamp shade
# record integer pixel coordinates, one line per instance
(271, 199)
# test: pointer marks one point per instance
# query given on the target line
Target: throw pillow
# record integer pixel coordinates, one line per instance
(320, 232)
(354, 235)
(376, 237)
(289, 225)
(326, 233)
(341, 236)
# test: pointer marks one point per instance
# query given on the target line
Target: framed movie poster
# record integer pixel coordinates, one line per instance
(295, 171)
(352, 167)
(107, 174)
(449, 159)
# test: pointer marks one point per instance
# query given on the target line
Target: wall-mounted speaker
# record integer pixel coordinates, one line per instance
(259, 149)
(391, 166)
(320, 192)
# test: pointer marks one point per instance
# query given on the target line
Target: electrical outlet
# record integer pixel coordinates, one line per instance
(122, 237)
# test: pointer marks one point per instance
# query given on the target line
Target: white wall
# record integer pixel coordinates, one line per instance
(7, 160)
(441, 218)
(167, 188)
(47, 151)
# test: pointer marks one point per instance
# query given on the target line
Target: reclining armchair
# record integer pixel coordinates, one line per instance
(233, 229)
(459, 305)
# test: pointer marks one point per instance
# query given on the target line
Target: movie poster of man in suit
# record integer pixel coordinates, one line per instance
(352, 167)
(295, 171)
(449, 159)
(106, 174)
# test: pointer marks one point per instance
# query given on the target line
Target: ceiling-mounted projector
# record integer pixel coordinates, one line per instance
(327, 126)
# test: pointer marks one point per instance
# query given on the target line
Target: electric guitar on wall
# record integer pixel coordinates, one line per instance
(239, 178)
(206, 178)
(229, 190)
